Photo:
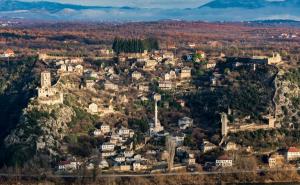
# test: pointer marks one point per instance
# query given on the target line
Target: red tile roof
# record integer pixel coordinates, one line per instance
(293, 149)
(224, 157)
(9, 51)
(64, 162)
(200, 52)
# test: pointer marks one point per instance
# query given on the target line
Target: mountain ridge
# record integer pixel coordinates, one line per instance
(217, 10)
(14, 5)
(250, 4)
(236, 4)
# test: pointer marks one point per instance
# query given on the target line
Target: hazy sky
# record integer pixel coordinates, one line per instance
(137, 3)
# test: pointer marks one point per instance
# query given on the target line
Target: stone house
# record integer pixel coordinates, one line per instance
(128, 153)
(210, 64)
(185, 123)
(185, 73)
(63, 68)
(168, 55)
(231, 146)
(173, 75)
(276, 160)
(275, 59)
(103, 164)
(190, 160)
(139, 166)
(150, 64)
(78, 69)
(89, 84)
(136, 75)
(170, 62)
(179, 139)
(93, 108)
(105, 128)
(124, 167)
(167, 77)
(207, 146)
(76, 60)
(68, 165)
(165, 85)
(70, 68)
(143, 88)
(125, 132)
(91, 74)
(111, 86)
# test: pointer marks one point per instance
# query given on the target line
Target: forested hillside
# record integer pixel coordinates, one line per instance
(134, 45)
(18, 81)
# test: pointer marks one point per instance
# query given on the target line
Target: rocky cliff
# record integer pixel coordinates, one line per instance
(287, 98)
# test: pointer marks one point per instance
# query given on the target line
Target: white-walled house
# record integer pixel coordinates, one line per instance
(68, 165)
(103, 164)
(119, 158)
(93, 108)
(168, 55)
(125, 132)
(97, 132)
(105, 128)
(8, 53)
(185, 73)
(138, 166)
(179, 139)
(207, 146)
(231, 146)
(185, 123)
(128, 153)
(224, 161)
(136, 75)
(111, 86)
(293, 153)
(79, 69)
(107, 147)
(63, 68)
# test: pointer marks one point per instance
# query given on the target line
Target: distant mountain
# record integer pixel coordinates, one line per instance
(216, 10)
(289, 3)
(251, 10)
(237, 4)
(13, 5)
(250, 4)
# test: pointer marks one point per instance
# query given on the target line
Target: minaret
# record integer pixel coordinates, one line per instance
(156, 97)
(156, 126)
(224, 121)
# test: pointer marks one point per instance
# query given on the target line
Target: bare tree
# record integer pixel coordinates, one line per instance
(170, 146)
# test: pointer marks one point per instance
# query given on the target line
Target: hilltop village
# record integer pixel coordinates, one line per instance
(194, 98)
(144, 112)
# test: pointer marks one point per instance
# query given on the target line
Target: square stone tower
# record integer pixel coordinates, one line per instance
(45, 79)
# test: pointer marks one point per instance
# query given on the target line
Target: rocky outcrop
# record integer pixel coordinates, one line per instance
(287, 110)
(42, 128)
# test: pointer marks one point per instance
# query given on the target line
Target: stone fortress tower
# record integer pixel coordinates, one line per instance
(48, 94)
(45, 79)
